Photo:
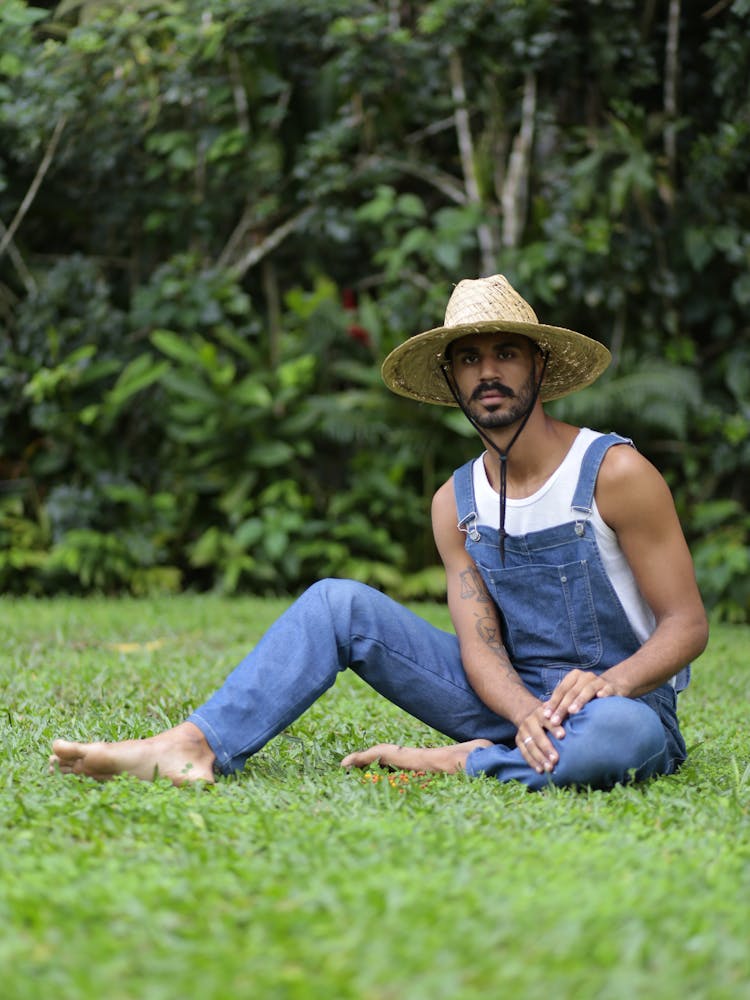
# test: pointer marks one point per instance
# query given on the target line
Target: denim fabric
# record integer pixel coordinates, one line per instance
(560, 612)
(339, 624)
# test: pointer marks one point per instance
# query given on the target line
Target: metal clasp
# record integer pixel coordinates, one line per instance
(468, 525)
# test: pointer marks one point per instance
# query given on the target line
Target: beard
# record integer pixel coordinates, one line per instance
(488, 419)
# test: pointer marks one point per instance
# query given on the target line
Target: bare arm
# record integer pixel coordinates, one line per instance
(485, 660)
(636, 503)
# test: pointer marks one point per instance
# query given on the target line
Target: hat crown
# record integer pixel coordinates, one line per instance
(487, 300)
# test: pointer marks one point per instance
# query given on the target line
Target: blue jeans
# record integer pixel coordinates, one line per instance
(340, 623)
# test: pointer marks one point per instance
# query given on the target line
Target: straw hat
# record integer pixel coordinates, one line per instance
(491, 305)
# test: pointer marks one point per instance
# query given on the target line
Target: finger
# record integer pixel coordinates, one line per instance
(529, 753)
(597, 688)
(585, 687)
(565, 687)
(571, 703)
(537, 750)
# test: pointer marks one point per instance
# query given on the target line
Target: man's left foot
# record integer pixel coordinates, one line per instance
(447, 760)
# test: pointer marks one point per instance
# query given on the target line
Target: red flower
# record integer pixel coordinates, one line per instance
(358, 333)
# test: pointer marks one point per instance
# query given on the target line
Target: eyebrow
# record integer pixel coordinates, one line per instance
(470, 348)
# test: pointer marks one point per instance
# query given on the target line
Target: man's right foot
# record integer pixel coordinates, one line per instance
(180, 754)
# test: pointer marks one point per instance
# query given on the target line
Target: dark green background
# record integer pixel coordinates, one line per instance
(217, 219)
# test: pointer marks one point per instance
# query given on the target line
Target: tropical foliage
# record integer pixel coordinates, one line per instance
(216, 220)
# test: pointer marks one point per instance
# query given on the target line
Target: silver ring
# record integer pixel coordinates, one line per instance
(528, 739)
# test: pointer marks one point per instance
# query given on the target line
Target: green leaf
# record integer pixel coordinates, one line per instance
(136, 376)
(249, 532)
(252, 392)
(699, 247)
(190, 386)
(270, 454)
(207, 549)
(177, 347)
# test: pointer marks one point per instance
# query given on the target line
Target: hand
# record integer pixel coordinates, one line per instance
(531, 739)
(576, 689)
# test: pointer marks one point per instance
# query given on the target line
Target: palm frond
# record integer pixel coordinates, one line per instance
(657, 397)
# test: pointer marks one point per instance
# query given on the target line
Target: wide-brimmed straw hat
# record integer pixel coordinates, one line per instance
(491, 305)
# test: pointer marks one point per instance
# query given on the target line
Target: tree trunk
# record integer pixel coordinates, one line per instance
(515, 189)
(485, 235)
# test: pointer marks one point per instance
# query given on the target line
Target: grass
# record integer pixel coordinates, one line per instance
(299, 880)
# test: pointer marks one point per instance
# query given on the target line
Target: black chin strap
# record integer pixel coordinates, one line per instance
(502, 455)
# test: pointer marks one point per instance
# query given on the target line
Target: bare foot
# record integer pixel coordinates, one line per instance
(180, 754)
(446, 759)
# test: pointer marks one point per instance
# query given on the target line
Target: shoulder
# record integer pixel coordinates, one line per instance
(623, 465)
(444, 502)
(448, 537)
(629, 485)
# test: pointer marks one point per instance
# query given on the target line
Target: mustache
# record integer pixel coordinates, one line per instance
(493, 386)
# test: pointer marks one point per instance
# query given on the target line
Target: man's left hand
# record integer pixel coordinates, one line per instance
(576, 689)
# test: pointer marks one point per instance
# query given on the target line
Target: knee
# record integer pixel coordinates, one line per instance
(347, 610)
(612, 741)
(625, 721)
(336, 593)
(338, 600)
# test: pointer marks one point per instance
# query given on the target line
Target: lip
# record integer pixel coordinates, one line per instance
(492, 397)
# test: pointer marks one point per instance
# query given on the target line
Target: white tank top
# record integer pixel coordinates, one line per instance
(550, 506)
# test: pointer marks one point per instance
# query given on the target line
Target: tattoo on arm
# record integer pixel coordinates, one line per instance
(489, 632)
(472, 586)
(487, 625)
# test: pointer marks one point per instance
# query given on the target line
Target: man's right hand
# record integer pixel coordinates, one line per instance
(531, 739)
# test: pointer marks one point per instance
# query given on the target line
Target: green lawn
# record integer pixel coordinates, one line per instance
(299, 880)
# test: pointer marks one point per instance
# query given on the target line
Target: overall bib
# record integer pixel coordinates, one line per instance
(557, 606)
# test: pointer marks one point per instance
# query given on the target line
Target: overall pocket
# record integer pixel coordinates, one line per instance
(548, 614)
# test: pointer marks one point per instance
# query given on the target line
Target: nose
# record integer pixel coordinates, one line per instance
(489, 367)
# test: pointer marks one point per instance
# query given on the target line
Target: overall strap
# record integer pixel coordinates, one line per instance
(463, 488)
(583, 497)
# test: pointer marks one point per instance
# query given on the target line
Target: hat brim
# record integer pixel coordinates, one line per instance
(413, 369)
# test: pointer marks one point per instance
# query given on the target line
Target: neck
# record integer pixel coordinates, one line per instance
(519, 440)
(537, 452)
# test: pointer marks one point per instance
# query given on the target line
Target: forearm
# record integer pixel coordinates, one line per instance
(485, 659)
(500, 688)
(489, 669)
(478, 627)
(493, 676)
(634, 500)
(674, 644)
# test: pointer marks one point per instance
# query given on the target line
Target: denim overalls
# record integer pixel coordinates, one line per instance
(558, 608)
(342, 624)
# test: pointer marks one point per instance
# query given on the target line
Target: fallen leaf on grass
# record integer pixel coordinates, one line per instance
(136, 647)
(398, 779)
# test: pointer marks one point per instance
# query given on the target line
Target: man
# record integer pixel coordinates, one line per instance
(570, 588)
